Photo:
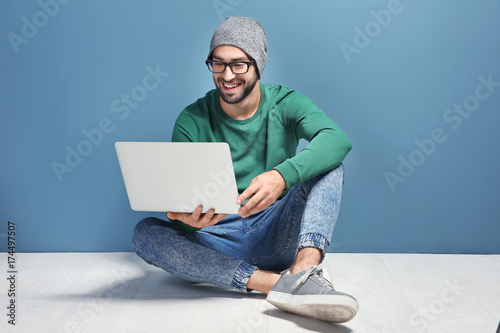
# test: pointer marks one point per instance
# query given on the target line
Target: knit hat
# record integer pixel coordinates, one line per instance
(247, 34)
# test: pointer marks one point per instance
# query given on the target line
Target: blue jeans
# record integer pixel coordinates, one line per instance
(227, 253)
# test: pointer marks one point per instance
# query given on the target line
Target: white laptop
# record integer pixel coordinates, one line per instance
(178, 177)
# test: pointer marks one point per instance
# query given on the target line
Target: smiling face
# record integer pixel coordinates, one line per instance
(233, 88)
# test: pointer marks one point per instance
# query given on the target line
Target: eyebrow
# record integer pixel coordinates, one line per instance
(214, 57)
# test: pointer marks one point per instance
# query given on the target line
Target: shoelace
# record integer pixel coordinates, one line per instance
(311, 271)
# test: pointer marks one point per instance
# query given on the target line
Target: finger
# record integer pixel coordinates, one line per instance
(218, 217)
(207, 218)
(247, 193)
(187, 218)
(260, 201)
(177, 216)
(243, 211)
(254, 209)
(251, 206)
(197, 212)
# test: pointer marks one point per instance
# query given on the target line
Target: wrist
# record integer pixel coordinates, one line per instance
(282, 179)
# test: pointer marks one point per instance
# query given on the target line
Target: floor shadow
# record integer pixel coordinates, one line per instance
(183, 288)
(127, 290)
(313, 325)
(168, 287)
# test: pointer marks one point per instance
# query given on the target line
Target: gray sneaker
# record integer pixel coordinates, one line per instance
(310, 294)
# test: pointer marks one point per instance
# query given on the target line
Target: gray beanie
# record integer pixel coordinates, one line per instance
(247, 34)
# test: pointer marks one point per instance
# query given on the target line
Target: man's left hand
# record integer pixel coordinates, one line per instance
(262, 191)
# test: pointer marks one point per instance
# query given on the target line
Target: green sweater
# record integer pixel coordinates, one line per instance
(269, 139)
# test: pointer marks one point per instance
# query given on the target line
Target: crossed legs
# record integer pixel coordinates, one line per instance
(246, 253)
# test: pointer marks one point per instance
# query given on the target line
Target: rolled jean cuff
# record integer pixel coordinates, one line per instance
(314, 240)
(242, 275)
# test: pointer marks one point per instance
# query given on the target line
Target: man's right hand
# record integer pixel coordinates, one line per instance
(197, 219)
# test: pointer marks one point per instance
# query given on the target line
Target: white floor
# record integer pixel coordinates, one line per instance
(117, 292)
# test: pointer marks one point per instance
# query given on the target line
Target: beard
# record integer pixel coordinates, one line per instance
(248, 86)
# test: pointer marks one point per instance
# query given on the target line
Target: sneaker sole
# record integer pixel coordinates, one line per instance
(332, 308)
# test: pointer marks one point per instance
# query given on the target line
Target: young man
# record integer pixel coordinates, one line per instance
(289, 203)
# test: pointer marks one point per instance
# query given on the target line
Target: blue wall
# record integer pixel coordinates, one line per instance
(415, 84)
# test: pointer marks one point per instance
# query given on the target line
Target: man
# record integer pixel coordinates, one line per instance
(289, 204)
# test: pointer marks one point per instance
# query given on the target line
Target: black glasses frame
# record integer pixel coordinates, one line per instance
(230, 64)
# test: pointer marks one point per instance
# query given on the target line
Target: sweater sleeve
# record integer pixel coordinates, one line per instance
(185, 129)
(328, 144)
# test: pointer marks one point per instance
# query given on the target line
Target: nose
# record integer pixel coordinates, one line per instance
(228, 74)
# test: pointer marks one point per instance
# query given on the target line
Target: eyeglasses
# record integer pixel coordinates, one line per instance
(240, 67)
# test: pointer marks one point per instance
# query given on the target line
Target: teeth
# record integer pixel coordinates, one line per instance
(230, 86)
